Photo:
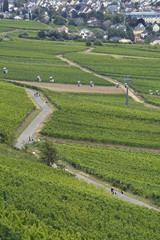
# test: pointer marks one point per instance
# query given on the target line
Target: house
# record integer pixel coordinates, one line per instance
(105, 35)
(149, 17)
(138, 29)
(137, 38)
(124, 40)
(85, 33)
(112, 9)
(93, 22)
(17, 18)
(155, 41)
(144, 34)
(123, 27)
(117, 39)
(64, 28)
(155, 27)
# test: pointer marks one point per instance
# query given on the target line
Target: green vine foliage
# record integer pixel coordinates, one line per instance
(39, 202)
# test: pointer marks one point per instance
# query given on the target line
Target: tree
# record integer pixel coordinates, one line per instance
(48, 152)
(88, 43)
(98, 33)
(5, 6)
(106, 24)
(59, 20)
(74, 14)
(98, 42)
(114, 32)
(118, 18)
(41, 34)
(72, 22)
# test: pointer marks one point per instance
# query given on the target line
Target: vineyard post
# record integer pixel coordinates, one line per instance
(126, 79)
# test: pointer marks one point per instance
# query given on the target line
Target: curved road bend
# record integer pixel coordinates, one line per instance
(29, 131)
(130, 93)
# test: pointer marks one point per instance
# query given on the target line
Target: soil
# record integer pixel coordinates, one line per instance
(74, 88)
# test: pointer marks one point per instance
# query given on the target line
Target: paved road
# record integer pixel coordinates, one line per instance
(29, 131)
(118, 194)
(24, 138)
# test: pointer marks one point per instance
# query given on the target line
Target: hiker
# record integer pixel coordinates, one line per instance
(5, 70)
(38, 79)
(117, 85)
(79, 83)
(29, 138)
(91, 84)
(112, 190)
(51, 79)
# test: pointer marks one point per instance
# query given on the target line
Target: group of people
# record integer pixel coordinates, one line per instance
(91, 84)
(51, 79)
(31, 139)
(114, 193)
(151, 93)
(36, 94)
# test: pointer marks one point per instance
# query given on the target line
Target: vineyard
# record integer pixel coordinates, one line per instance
(103, 118)
(144, 72)
(21, 24)
(130, 170)
(129, 50)
(5, 29)
(25, 59)
(39, 202)
(15, 105)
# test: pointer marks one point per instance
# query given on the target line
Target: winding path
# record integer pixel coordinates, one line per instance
(130, 93)
(24, 138)
(29, 131)
(119, 195)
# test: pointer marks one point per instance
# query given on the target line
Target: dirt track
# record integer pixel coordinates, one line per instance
(114, 81)
(74, 88)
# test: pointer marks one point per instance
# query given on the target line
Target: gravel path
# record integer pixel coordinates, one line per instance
(117, 195)
(29, 131)
(114, 81)
(60, 87)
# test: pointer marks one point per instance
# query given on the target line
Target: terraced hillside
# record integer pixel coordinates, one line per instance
(144, 72)
(15, 106)
(39, 202)
(103, 118)
(37, 57)
(10, 24)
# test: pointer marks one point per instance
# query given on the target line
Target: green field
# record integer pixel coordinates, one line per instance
(5, 29)
(15, 105)
(38, 202)
(144, 72)
(136, 171)
(21, 24)
(25, 59)
(130, 50)
(103, 118)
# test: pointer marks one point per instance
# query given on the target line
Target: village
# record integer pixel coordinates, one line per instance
(114, 21)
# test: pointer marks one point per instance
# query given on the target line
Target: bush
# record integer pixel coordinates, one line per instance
(88, 43)
(48, 153)
(98, 42)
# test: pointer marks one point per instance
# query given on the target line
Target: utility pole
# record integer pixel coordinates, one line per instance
(126, 80)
